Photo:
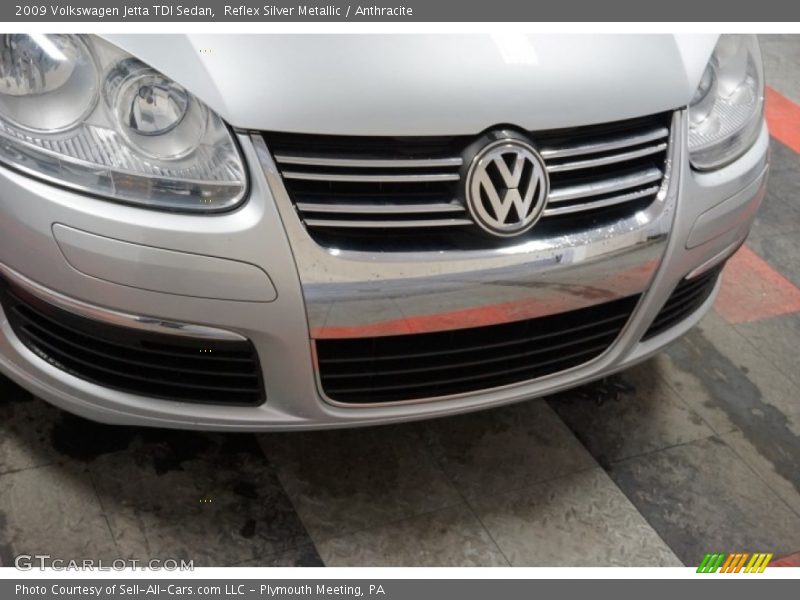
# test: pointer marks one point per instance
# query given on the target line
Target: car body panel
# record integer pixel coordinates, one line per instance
(427, 84)
(573, 81)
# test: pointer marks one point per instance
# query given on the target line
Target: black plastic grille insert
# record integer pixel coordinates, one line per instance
(687, 297)
(143, 363)
(427, 365)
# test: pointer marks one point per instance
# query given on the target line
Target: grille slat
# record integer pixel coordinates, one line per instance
(606, 160)
(605, 144)
(370, 178)
(134, 361)
(677, 310)
(612, 201)
(602, 186)
(506, 339)
(366, 163)
(379, 209)
(369, 193)
(155, 355)
(476, 362)
(376, 224)
(89, 354)
(83, 365)
(428, 365)
(687, 297)
(444, 382)
(691, 288)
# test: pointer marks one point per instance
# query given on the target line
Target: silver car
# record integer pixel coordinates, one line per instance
(294, 232)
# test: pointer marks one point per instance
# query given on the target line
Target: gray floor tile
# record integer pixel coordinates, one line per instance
(785, 485)
(780, 211)
(645, 415)
(26, 435)
(741, 383)
(34, 433)
(694, 391)
(781, 56)
(782, 252)
(451, 537)
(304, 556)
(777, 339)
(784, 184)
(783, 165)
(702, 497)
(739, 379)
(53, 510)
(578, 520)
(505, 448)
(213, 499)
(347, 480)
(25, 429)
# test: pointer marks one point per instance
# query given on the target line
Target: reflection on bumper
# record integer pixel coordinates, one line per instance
(362, 294)
(114, 317)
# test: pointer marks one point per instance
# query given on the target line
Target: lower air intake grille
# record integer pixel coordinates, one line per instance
(688, 296)
(129, 360)
(427, 365)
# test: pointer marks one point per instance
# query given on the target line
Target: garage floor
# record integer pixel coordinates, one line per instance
(697, 450)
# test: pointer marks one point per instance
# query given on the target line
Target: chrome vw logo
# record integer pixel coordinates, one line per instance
(507, 187)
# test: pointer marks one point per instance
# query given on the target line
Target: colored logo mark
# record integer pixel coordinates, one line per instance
(739, 562)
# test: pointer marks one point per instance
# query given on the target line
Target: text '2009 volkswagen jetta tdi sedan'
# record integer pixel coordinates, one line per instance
(277, 232)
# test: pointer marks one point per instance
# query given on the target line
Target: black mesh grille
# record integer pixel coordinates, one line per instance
(408, 367)
(138, 362)
(687, 297)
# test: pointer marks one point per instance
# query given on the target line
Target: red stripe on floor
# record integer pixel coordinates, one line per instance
(793, 560)
(783, 118)
(752, 290)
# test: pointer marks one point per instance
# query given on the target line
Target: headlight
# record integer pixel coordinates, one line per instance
(80, 112)
(727, 109)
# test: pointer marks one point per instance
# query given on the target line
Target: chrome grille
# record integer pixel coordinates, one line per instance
(377, 210)
(406, 193)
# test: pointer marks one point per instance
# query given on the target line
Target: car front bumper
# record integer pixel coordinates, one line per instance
(242, 273)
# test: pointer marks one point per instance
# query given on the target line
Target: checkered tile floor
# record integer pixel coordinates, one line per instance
(696, 450)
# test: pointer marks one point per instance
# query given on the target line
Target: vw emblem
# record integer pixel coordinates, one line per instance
(507, 187)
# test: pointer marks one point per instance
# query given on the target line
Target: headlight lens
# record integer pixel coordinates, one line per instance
(80, 112)
(59, 72)
(726, 112)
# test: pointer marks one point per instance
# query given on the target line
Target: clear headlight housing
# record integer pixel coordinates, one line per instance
(79, 112)
(726, 112)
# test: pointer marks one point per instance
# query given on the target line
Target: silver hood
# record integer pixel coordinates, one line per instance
(427, 84)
